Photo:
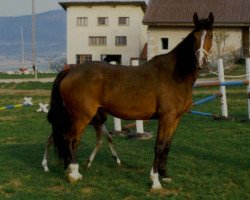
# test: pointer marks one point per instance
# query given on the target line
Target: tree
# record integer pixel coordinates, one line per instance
(220, 40)
(56, 63)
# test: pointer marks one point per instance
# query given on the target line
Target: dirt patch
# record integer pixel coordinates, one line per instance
(9, 140)
(57, 188)
(8, 189)
(87, 190)
(36, 92)
(5, 194)
(8, 118)
(164, 192)
(129, 198)
(16, 183)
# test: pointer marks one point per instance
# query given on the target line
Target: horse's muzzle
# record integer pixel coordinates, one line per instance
(202, 63)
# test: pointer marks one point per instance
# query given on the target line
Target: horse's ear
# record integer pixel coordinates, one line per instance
(196, 19)
(211, 18)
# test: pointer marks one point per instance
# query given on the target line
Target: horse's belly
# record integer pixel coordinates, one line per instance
(131, 110)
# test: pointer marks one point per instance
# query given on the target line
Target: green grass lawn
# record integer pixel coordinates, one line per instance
(209, 159)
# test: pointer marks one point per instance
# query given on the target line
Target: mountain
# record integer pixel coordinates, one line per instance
(50, 35)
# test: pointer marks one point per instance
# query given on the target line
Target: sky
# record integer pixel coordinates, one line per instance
(24, 7)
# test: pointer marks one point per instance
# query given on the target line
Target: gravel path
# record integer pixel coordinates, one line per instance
(44, 80)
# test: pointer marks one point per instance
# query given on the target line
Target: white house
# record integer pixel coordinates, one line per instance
(170, 21)
(109, 30)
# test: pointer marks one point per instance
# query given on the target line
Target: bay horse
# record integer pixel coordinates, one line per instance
(159, 89)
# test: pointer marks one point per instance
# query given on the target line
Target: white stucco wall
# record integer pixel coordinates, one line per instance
(77, 36)
(233, 42)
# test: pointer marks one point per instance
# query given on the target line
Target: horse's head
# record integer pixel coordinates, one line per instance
(203, 35)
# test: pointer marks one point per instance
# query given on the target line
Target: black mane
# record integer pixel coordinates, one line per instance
(185, 57)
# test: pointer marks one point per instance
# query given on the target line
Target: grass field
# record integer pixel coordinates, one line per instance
(209, 159)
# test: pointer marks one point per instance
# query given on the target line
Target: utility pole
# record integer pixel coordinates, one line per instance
(22, 45)
(33, 41)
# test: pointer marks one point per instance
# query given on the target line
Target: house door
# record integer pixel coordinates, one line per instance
(111, 58)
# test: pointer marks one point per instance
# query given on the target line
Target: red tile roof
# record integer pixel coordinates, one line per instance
(180, 12)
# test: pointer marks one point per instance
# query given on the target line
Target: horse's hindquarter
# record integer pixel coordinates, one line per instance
(81, 88)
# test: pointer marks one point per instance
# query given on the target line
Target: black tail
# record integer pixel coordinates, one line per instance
(60, 120)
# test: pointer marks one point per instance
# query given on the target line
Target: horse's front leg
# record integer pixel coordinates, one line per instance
(162, 165)
(166, 128)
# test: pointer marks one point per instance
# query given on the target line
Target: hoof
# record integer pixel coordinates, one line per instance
(73, 174)
(46, 169)
(167, 180)
(155, 179)
(156, 187)
(45, 166)
(118, 161)
(74, 177)
(89, 164)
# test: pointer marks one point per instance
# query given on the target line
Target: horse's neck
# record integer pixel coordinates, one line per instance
(186, 63)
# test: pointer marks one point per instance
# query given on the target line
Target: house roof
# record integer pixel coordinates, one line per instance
(180, 12)
(67, 3)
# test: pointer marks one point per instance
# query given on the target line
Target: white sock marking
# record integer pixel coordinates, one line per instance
(155, 178)
(92, 156)
(45, 165)
(73, 171)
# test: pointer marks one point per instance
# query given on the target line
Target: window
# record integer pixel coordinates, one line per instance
(123, 21)
(82, 21)
(120, 40)
(97, 41)
(83, 58)
(164, 43)
(102, 21)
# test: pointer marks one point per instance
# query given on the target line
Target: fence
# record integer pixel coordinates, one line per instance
(222, 83)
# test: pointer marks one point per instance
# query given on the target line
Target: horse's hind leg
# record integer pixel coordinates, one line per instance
(100, 130)
(98, 122)
(113, 151)
(98, 143)
(73, 140)
(45, 156)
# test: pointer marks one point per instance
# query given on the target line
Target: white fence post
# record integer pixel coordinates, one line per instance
(224, 109)
(139, 126)
(118, 125)
(248, 86)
